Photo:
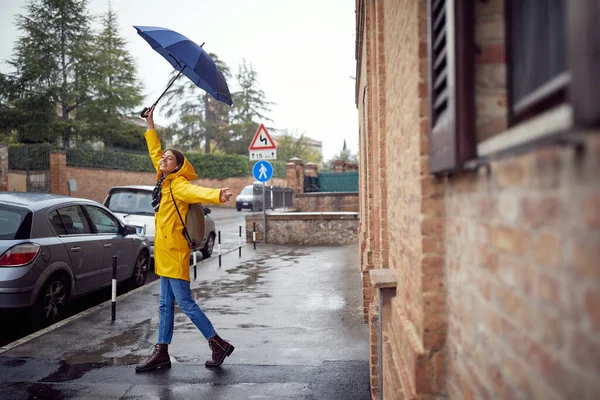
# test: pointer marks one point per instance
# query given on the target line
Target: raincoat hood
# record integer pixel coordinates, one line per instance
(187, 171)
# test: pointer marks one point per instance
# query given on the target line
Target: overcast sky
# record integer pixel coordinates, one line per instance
(303, 52)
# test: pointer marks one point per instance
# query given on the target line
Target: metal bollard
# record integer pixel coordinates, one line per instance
(195, 260)
(219, 248)
(254, 234)
(114, 289)
(240, 243)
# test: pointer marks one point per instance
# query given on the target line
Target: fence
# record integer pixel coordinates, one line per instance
(34, 160)
(275, 197)
(332, 182)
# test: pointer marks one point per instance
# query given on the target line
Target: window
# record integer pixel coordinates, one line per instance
(69, 221)
(104, 222)
(552, 49)
(537, 61)
(131, 202)
(15, 223)
(451, 71)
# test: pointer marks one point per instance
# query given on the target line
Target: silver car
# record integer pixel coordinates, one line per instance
(245, 198)
(133, 204)
(54, 248)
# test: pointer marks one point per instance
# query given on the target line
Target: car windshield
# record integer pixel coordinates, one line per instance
(131, 202)
(248, 190)
(15, 222)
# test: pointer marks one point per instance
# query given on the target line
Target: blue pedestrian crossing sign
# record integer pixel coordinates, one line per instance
(262, 171)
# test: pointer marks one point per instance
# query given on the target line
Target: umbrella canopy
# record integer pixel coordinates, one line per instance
(189, 59)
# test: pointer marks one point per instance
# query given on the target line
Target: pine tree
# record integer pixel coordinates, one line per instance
(116, 89)
(53, 62)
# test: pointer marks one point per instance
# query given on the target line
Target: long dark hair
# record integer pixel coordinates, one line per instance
(178, 156)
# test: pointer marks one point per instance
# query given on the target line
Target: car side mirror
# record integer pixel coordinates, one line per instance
(207, 211)
(129, 230)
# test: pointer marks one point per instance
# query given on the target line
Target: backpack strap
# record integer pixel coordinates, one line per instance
(190, 241)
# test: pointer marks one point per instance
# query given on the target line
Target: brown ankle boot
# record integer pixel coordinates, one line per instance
(220, 350)
(158, 359)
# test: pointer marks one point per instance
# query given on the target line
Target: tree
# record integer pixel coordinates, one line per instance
(249, 108)
(200, 118)
(54, 62)
(291, 144)
(116, 89)
(345, 155)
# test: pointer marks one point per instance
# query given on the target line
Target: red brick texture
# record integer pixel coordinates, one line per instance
(3, 168)
(498, 278)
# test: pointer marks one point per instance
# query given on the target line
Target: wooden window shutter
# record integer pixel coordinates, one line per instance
(451, 77)
(584, 59)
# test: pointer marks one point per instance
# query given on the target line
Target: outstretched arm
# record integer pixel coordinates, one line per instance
(154, 147)
(185, 191)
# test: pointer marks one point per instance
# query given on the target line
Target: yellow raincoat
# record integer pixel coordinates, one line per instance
(171, 252)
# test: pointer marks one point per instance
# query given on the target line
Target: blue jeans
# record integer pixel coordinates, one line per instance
(176, 289)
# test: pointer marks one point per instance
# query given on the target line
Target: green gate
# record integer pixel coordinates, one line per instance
(338, 181)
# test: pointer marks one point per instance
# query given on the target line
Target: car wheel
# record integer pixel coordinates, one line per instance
(208, 246)
(140, 270)
(53, 300)
(238, 208)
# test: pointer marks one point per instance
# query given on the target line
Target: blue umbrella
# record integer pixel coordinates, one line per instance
(189, 59)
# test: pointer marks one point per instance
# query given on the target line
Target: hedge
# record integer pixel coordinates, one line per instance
(209, 166)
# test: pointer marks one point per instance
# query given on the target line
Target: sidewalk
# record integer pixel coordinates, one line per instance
(294, 315)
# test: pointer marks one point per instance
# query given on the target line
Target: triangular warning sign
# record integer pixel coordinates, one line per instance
(262, 140)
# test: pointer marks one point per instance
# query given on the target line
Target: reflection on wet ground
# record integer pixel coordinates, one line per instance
(246, 278)
(18, 323)
(285, 309)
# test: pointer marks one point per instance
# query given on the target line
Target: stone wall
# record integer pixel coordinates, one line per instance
(304, 228)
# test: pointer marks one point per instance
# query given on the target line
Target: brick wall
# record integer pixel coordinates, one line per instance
(523, 245)
(326, 202)
(498, 278)
(58, 174)
(3, 168)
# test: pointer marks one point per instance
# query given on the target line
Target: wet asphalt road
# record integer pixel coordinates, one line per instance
(293, 313)
(18, 324)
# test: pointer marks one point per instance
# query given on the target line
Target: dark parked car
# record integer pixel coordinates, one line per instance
(55, 248)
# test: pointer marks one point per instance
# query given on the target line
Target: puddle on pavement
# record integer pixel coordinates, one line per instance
(117, 350)
(68, 372)
(42, 391)
(323, 302)
(14, 362)
(246, 326)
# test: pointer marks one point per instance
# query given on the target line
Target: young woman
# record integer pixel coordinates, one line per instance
(171, 252)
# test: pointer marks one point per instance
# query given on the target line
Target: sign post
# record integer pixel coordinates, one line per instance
(263, 171)
(262, 148)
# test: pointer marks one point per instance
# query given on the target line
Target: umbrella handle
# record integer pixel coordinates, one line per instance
(146, 110)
